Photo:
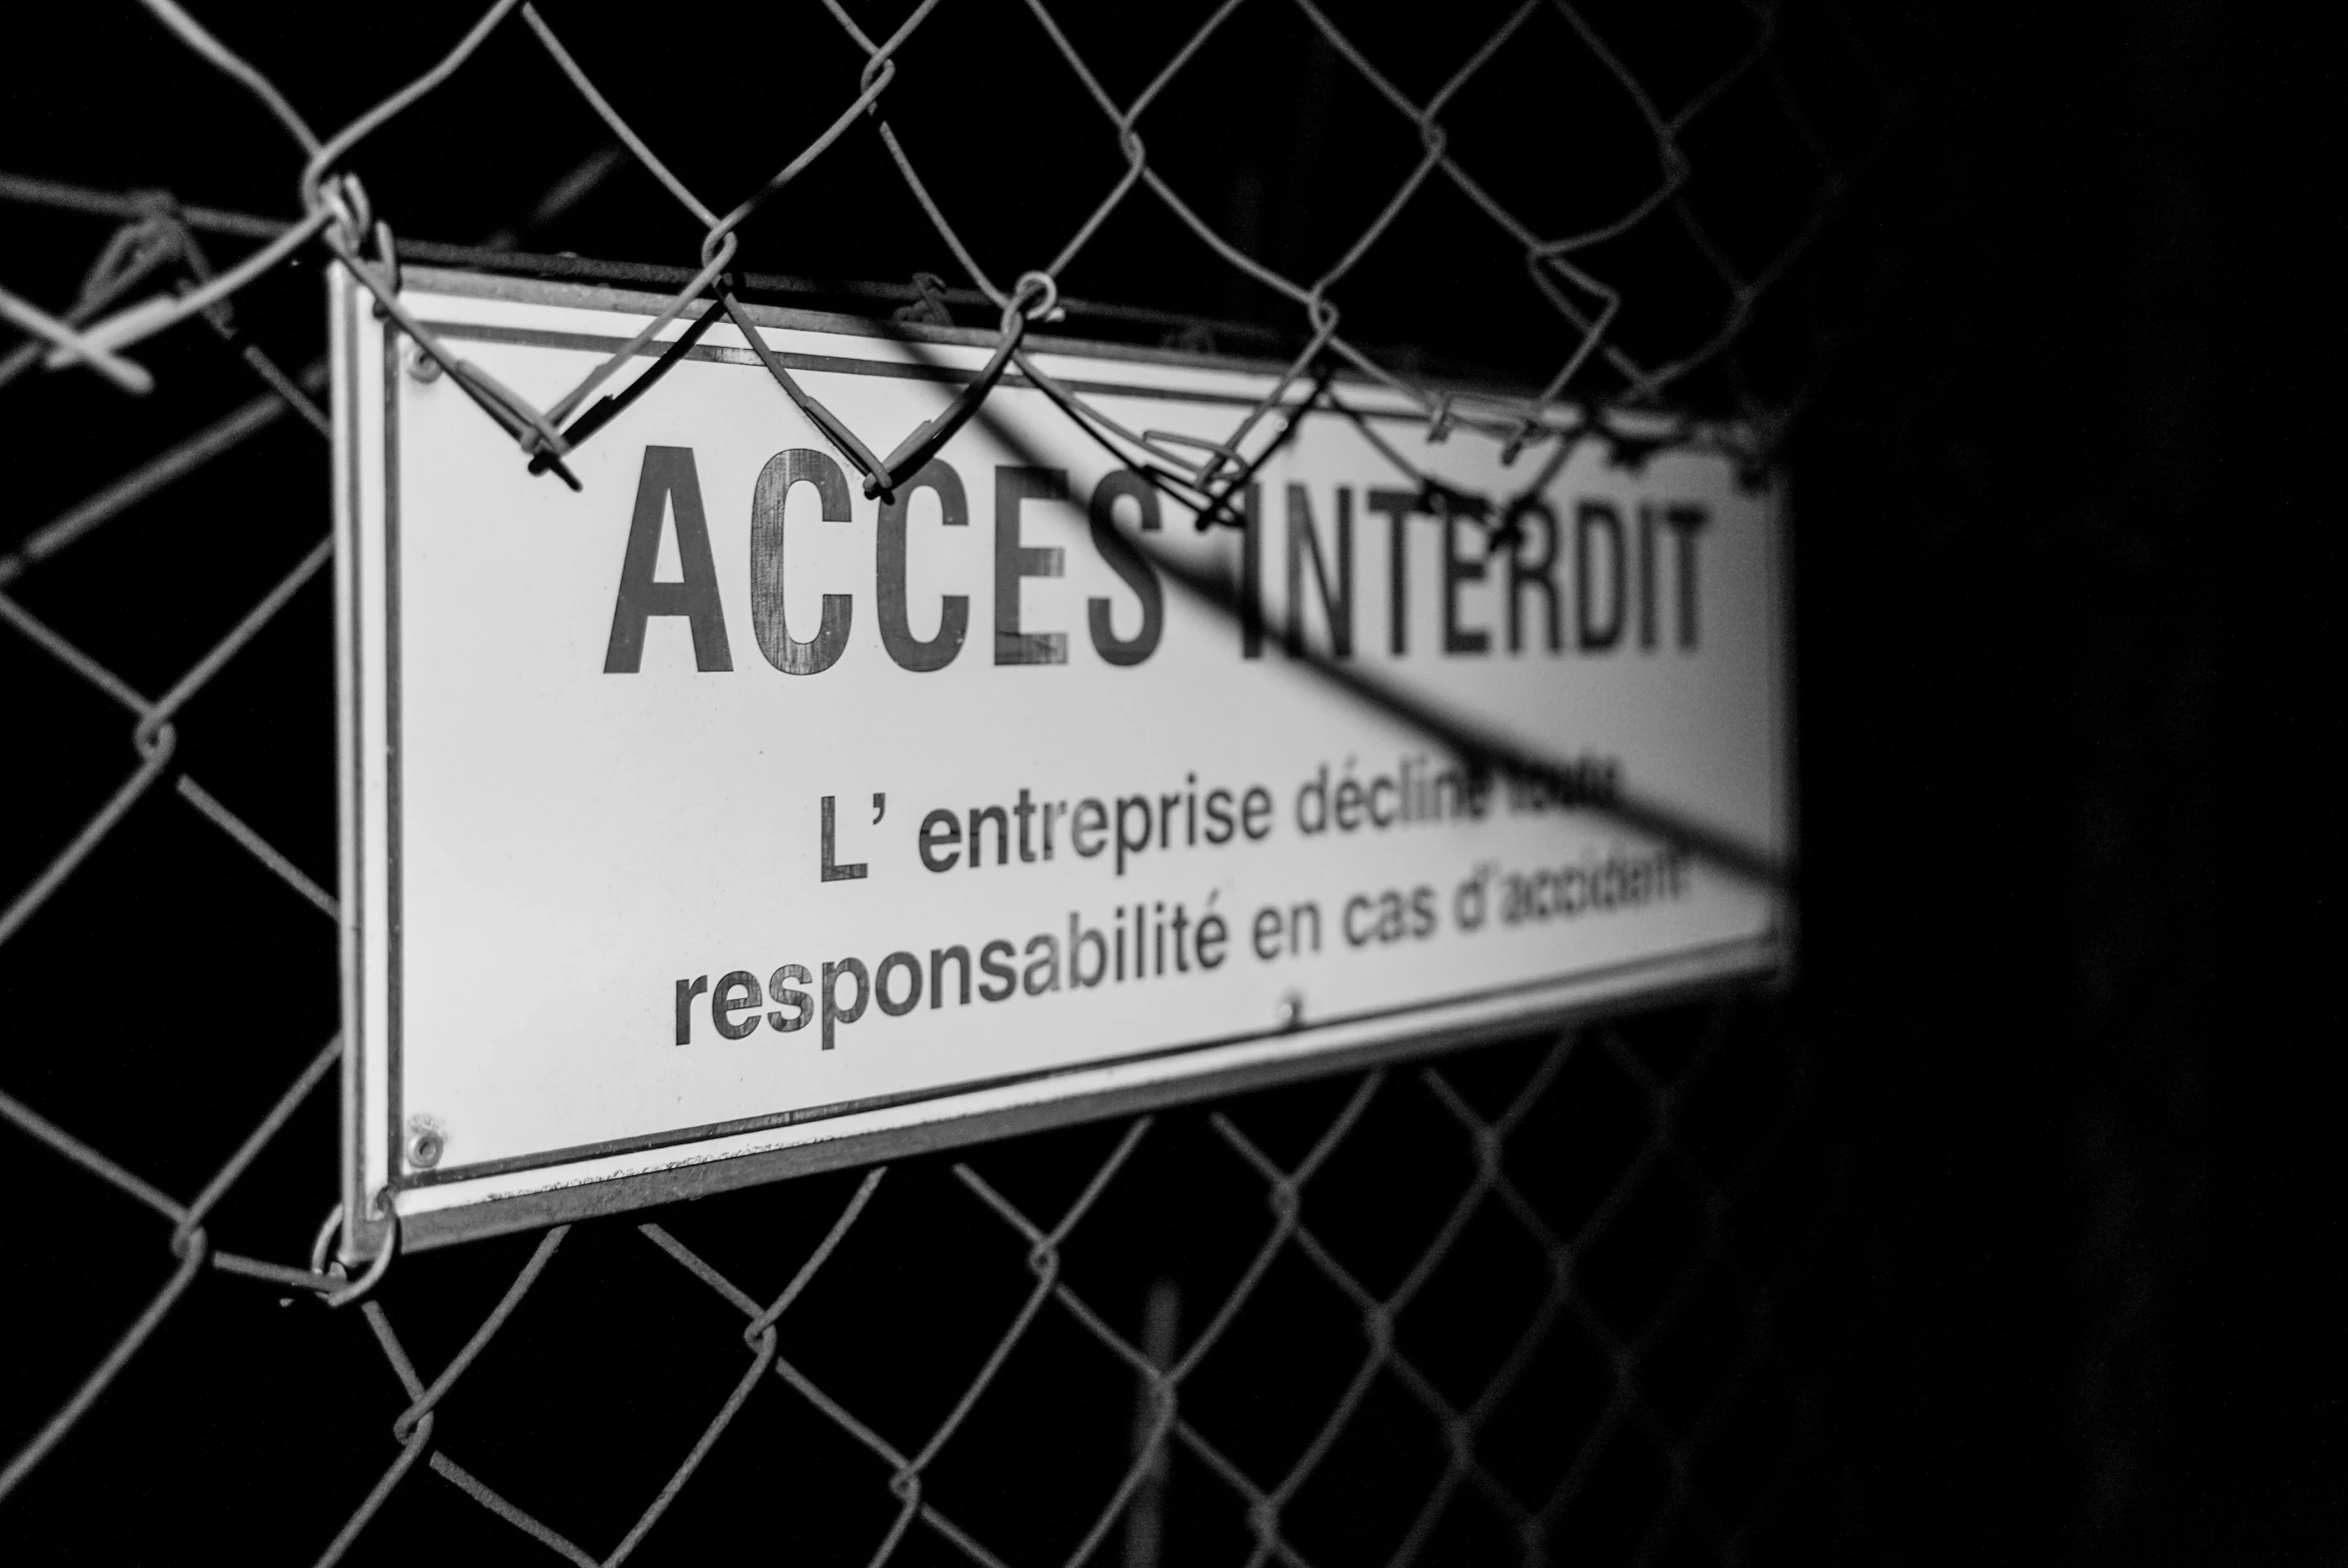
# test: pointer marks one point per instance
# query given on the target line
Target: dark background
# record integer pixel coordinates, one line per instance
(2062, 363)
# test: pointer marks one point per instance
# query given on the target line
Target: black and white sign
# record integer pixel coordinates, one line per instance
(716, 820)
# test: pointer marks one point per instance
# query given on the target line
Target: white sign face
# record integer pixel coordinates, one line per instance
(715, 821)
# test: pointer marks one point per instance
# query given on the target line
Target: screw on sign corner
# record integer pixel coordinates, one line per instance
(426, 1143)
(1290, 1011)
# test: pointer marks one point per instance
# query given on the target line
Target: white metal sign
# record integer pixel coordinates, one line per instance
(716, 820)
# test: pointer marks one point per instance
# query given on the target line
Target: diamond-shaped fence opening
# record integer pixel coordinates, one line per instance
(1590, 1298)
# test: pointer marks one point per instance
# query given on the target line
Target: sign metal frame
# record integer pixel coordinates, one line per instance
(694, 1161)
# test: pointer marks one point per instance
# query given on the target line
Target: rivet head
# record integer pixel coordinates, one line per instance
(421, 365)
(426, 1144)
(1290, 1011)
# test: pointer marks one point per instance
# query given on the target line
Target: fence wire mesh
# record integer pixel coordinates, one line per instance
(1588, 1294)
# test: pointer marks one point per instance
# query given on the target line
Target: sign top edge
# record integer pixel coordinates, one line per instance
(460, 283)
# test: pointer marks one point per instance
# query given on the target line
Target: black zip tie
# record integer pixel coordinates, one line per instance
(1183, 489)
(1446, 501)
(609, 407)
(930, 309)
(1511, 525)
(500, 404)
(1219, 512)
(531, 430)
(842, 437)
(923, 441)
(222, 320)
(1633, 453)
(1212, 507)
(1443, 500)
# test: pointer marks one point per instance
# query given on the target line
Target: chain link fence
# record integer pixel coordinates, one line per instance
(1604, 1296)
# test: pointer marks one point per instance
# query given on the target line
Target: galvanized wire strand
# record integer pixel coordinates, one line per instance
(259, 848)
(105, 284)
(86, 348)
(131, 206)
(157, 758)
(431, 1394)
(196, 37)
(216, 659)
(492, 255)
(188, 1244)
(1284, 1201)
(611, 117)
(327, 1059)
(89, 1158)
(881, 66)
(230, 430)
(100, 342)
(325, 157)
(127, 1345)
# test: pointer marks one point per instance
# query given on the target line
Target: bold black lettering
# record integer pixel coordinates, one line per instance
(1525, 572)
(1256, 811)
(1313, 802)
(1128, 842)
(1456, 572)
(853, 871)
(1590, 520)
(938, 957)
(990, 965)
(1025, 810)
(1646, 576)
(979, 815)
(1251, 574)
(940, 829)
(1079, 938)
(1043, 974)
(1397, 506)
(667, 485)
(913, 996)
(1088, 831)
(1128, 562)
(846, 968)
(686, 992)
(1268, 932)
(1685, 519)
(736, 990)
(1219, 814)
(782, 993)
(1335, 602)
(954, 609)
(784, 470)
(1012, 644)
(1212, 936)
